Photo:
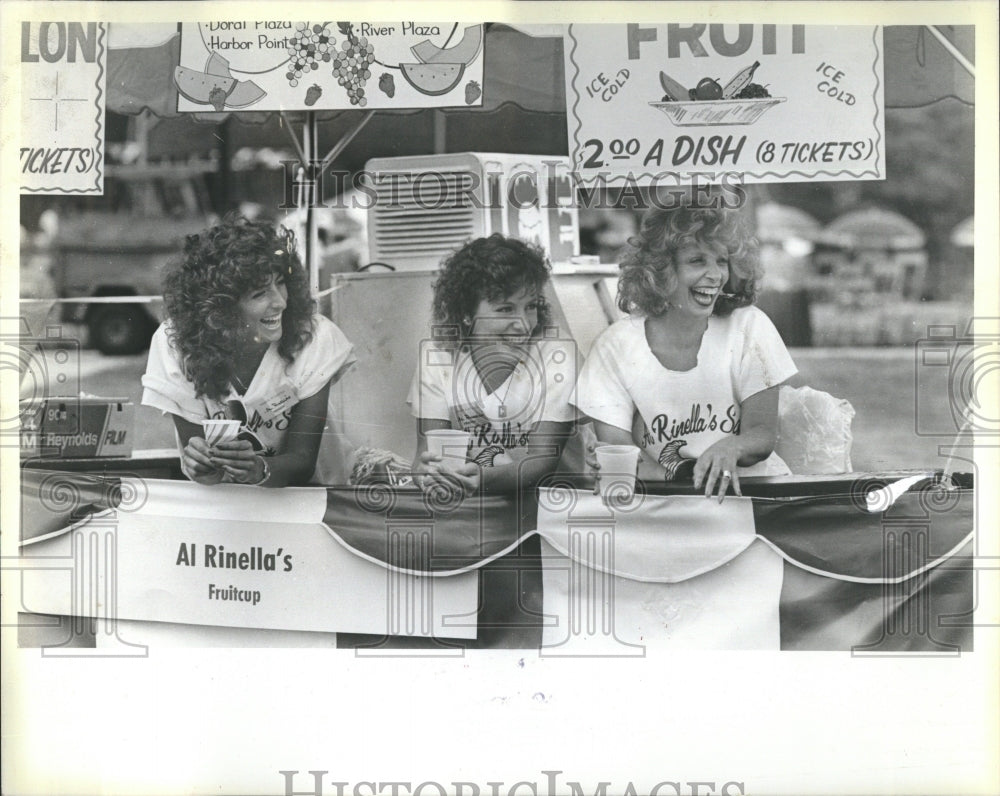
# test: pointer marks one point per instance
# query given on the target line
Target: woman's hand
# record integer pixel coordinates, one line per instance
(238, 459)
(431, 472)
(427, 464)
(593, 467)
(196, 462)
(467, 475)
(716, 468)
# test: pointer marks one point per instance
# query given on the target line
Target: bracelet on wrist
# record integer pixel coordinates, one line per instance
(266, 475)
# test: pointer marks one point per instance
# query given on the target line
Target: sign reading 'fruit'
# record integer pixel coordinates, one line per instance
(230, 65)
(713, 103)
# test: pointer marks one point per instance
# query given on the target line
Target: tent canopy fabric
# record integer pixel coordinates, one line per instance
(519, 69)
(919, 70)
(527, 70)
(509, 128)
(523, 106)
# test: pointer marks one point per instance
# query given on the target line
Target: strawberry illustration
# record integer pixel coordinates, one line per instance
(313, 94)
(387, 85)
(472, 92)
(218, 99)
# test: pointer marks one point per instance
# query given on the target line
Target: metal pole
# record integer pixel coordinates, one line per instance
(953, 50)
(289, 128)
(440, 131)
(346, 138)
(310, 135)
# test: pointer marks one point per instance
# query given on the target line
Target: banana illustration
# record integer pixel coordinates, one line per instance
(739, 81)
(674, 90)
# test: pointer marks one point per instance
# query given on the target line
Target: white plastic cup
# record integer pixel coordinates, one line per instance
(618, 465)
(450, 444)
(217, 431)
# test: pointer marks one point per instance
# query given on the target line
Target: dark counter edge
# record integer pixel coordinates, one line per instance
(760, 486)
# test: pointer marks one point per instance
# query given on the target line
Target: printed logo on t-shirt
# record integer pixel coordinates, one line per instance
(671, 432)
(253, 422)
(670, 458)
(490, 438)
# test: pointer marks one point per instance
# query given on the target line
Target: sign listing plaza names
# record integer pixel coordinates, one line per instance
(61, 148)
(231, 65)
(661, 104)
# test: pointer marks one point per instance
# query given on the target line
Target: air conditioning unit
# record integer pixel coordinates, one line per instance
(425, 207)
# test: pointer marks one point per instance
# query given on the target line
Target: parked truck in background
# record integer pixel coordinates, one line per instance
(117, 250)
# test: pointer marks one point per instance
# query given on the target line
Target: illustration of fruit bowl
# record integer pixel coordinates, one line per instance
(717, 112)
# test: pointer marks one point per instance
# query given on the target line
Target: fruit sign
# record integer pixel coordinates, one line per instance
(281, 65)
(681, 103)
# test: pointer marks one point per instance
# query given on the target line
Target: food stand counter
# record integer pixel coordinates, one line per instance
(799, 563)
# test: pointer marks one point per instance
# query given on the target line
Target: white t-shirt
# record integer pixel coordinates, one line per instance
(684, 412)
(447, 386)
(275, 389)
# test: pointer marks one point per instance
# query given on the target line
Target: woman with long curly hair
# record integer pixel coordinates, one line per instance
(242, 341)
(496, 369)
(691, 375)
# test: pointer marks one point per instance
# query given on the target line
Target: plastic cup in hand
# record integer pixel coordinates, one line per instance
(450, 444)
(618, 464)
(217, 431)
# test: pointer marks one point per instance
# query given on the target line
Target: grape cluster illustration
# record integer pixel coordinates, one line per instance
(754, 91)
(306, 48)
(352, 64)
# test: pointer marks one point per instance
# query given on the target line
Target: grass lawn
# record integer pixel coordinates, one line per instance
(881, 385)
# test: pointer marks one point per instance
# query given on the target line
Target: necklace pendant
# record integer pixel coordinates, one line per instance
(502, 411)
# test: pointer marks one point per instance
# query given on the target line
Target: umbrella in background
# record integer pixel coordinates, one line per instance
(873, 228)
(778, 223)
(962, 235)
(522, 75)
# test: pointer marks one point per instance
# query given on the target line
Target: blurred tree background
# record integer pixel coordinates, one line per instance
(930, 174)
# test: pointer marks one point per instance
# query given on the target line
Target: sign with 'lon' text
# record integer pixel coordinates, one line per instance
(62, 107)
(681, 103)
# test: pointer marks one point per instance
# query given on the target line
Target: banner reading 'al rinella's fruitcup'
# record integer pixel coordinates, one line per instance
(675, 103)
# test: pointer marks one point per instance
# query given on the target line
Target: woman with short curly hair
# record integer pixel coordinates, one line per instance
(496, 368)
(242, 341)
(691, 376)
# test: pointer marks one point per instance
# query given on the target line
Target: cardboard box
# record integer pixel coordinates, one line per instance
(77, 427)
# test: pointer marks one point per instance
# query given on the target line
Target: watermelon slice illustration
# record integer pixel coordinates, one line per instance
(217, 65)
(464, 52)
(203, 88)
(433, 79)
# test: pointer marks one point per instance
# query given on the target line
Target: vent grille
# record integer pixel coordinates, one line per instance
(420, 216)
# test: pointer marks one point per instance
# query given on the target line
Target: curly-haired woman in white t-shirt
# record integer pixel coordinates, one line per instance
(242, 341)
(495, 369)
(691, 375)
